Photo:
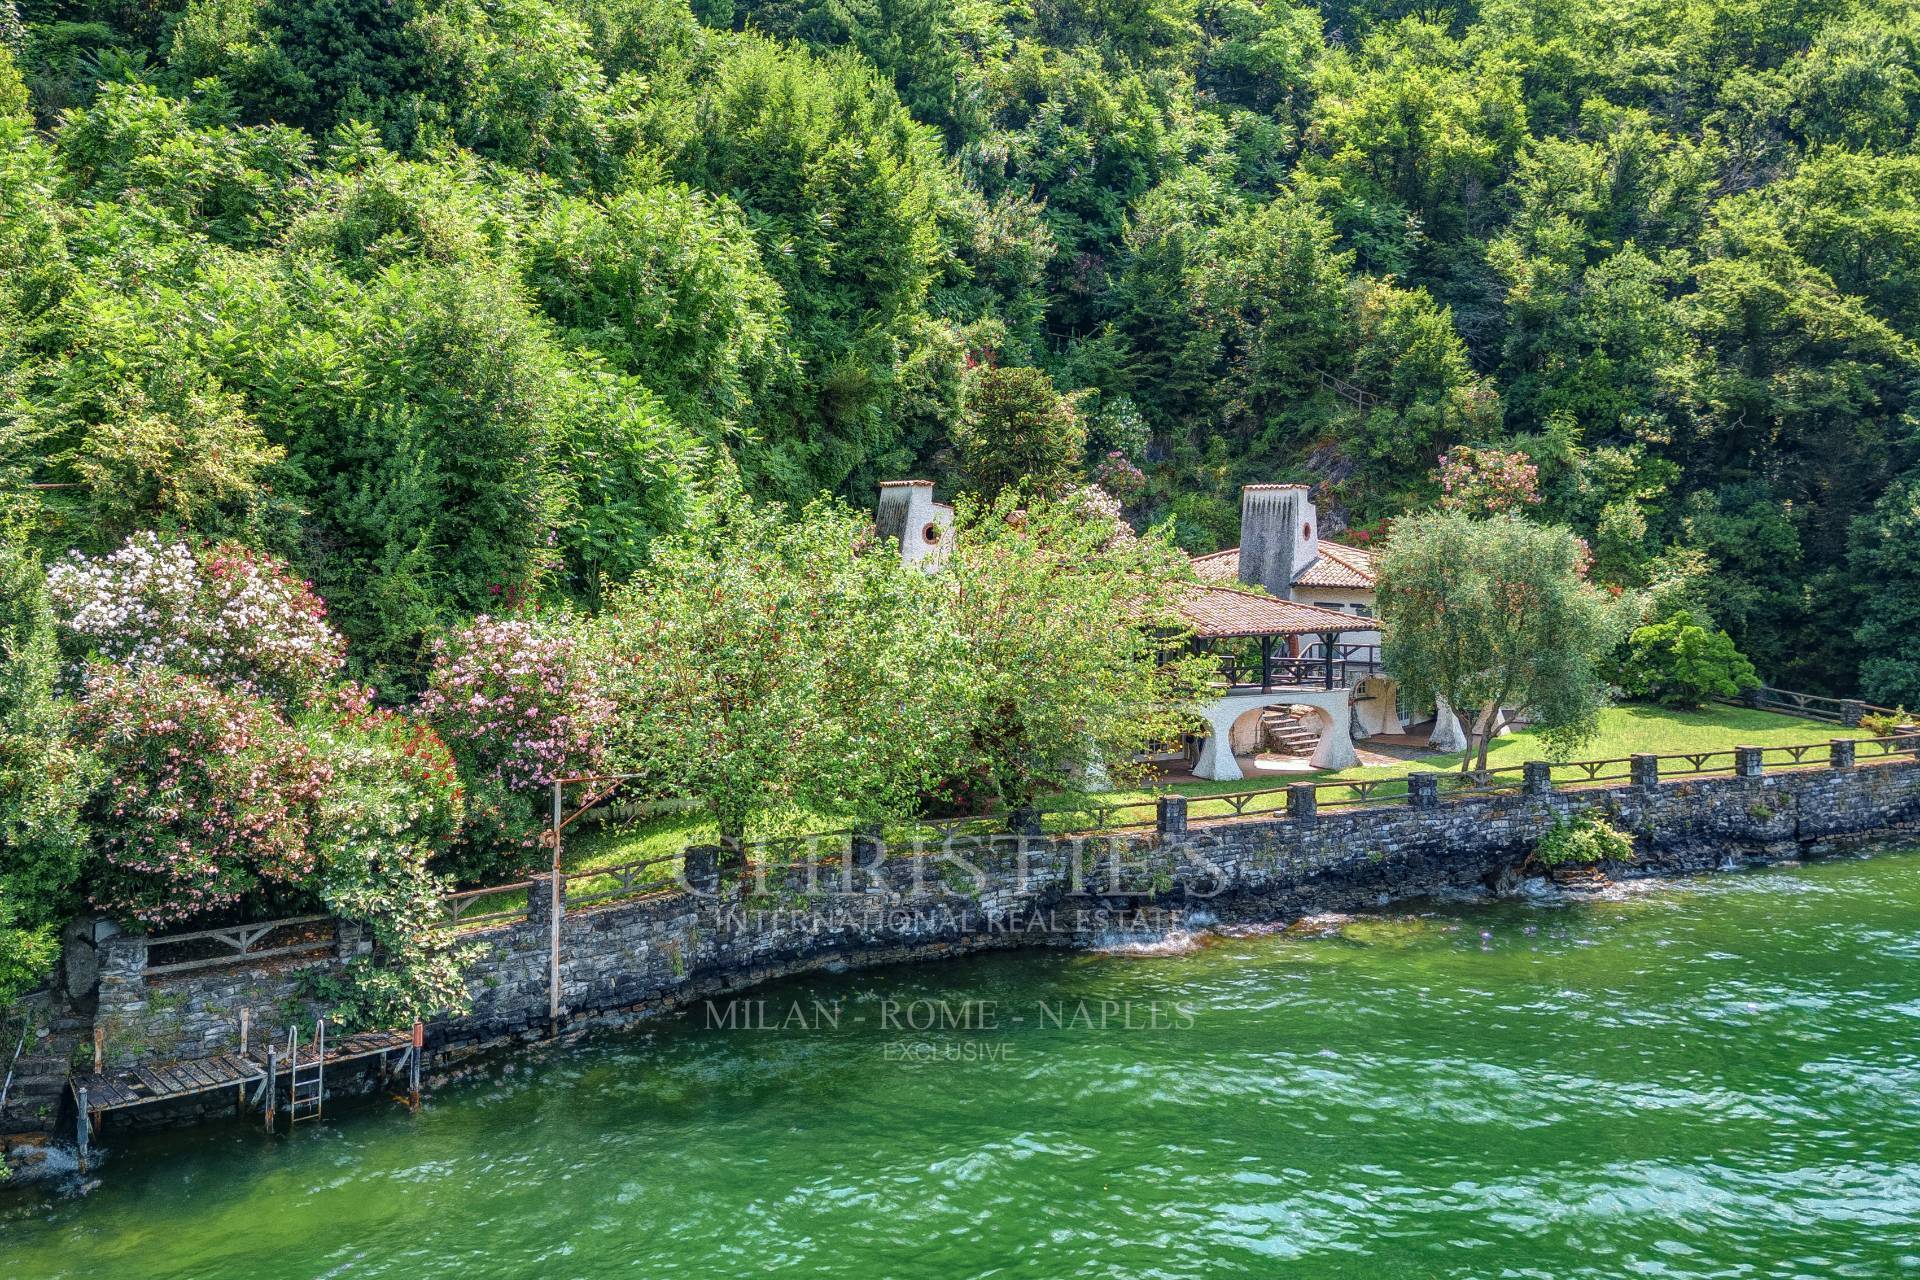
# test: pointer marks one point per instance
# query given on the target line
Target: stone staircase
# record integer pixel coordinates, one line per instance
(1283, 734)
(57, 1040)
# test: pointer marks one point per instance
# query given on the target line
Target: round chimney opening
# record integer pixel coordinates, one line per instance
(1306, 532)
(931, 535)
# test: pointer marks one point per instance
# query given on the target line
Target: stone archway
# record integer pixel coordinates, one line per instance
(1331, 710)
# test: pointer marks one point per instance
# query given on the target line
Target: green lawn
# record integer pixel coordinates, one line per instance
(1631, 729)
(1624, 730)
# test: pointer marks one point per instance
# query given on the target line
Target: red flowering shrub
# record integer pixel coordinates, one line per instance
(410, 753)
(392, 805)
(208, 796)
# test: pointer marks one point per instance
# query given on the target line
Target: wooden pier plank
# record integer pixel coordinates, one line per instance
(158, 1082)
(104, 1092)
(243, 1068)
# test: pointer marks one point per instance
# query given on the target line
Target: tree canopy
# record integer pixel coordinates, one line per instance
(450, 304)
(1490, 614)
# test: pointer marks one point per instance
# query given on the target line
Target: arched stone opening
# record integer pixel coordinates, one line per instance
(1327, 712)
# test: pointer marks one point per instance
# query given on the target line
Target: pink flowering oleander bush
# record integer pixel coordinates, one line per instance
(1487, 482)
(1119, 477)
(513, 698)
(207, 799)
(237, 616)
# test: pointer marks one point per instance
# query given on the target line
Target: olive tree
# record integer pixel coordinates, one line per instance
(1486, 614)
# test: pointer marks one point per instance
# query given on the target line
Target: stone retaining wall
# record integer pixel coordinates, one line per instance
(633, 958)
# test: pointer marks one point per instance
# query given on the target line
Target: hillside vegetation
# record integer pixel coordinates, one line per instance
(459, 304)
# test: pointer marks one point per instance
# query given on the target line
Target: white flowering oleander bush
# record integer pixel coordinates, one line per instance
(515, 701)
(237, 616)
(207, 799)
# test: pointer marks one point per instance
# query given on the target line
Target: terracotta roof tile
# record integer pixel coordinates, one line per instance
(1216, 612)
(1219, 566)
(1338, 566)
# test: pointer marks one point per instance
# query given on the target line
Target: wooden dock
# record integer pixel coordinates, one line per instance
(166, 1082)
(100, 1094)
(161, 1083)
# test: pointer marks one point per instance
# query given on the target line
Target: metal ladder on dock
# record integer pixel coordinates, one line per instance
(306, 1081)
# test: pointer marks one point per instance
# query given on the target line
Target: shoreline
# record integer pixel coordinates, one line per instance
(1146, 929)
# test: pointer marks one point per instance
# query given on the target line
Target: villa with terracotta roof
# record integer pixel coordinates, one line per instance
(1281, 552)
(1288, 615)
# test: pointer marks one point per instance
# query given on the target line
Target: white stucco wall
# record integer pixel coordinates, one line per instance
(1331, 708)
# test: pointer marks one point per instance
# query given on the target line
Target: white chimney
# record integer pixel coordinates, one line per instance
(1279, 535)
(908, 514)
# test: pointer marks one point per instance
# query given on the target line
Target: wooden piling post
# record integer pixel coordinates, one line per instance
(240, 1090)
(99, 1048)
(82, 1125)
(273, 1072)
(413, 1064)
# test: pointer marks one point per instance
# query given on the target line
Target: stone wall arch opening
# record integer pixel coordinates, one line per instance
(1326, 714)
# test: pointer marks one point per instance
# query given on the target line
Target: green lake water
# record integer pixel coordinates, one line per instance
(1712, 1077)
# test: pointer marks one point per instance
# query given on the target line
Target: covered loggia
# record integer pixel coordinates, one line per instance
(1275, 656)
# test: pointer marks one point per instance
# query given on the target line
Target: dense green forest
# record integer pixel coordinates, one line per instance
(458, 304)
